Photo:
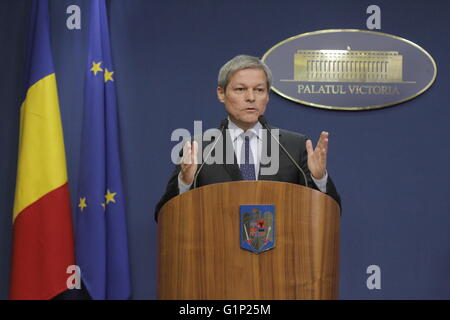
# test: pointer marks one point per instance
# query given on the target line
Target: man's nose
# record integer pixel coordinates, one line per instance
(250, 95)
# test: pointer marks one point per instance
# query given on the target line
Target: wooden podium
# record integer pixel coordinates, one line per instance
(199, 244)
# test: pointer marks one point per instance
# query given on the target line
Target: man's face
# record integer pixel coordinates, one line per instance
(245, 97)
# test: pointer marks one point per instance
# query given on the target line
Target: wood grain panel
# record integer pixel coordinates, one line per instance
(200, 255)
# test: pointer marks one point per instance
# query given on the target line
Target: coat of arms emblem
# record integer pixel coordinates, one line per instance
(257, 227)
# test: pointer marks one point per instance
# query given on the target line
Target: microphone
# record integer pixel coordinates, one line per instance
(263, 121)
(223, 125)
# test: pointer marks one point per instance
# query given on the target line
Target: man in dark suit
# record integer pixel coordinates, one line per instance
(243, 87)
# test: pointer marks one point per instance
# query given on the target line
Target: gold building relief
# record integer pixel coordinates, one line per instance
(348, 66)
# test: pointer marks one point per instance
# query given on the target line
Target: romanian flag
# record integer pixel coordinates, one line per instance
(43, 244)
(101, 228)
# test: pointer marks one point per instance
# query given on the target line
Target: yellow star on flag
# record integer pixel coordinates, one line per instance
(108, 75)
(96, 67)
(104, 206)
(82, 204)
(110, 196)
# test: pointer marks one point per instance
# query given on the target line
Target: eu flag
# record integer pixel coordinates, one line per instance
(101, 232)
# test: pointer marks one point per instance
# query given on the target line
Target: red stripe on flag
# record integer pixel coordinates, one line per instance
(43, 247)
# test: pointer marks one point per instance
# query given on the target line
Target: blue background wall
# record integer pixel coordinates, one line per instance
(391, 166)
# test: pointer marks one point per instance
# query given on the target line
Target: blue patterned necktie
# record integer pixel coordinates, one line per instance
(247, 164)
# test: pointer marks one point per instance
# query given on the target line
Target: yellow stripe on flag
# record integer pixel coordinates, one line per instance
(42, 162)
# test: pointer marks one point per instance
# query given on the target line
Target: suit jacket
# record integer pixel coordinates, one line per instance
(295, 143)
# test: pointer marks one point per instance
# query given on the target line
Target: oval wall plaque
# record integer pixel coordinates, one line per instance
(349, 69)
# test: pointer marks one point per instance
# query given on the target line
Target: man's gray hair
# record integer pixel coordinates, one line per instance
(242, 62)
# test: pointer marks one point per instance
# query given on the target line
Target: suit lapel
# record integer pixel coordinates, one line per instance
(232, 168)
(267, 148)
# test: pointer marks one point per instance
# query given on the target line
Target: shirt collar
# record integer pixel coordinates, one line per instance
(235, 131)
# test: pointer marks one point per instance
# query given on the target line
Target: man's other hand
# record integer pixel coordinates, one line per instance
(317, 158)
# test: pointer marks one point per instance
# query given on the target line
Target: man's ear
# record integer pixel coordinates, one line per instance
(220, 94)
